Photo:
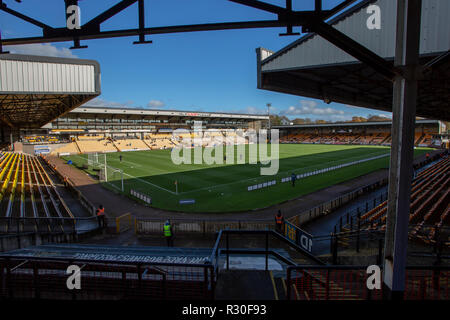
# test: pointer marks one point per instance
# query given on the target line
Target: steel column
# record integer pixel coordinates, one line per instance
(402, 150)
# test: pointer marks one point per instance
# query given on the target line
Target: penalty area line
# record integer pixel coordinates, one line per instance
(149, 183)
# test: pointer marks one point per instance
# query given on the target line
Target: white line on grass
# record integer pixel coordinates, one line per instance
(149, 183)
(283, 172)
(239, 181)
(133, 177)
(125, 162)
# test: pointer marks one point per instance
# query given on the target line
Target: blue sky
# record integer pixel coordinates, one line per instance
(203, 71)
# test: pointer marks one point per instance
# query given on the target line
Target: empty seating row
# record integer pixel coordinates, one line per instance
(383, 138)
(90, 146)
(29, 201)
(131, 145)
(429, 210)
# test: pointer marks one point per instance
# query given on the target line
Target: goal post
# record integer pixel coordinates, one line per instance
(112, 176)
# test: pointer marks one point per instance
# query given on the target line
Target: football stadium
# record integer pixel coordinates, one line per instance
(129, 203)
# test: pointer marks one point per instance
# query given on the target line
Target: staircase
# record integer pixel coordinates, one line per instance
(77, 146)
(385, 139)
(244, 285)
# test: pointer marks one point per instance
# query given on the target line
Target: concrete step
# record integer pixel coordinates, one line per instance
(244, 285)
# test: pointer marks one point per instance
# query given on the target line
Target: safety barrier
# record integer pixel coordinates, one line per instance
(367, 245)
(327, 207)
(45, 278)
(122, 222)
(149, 226)
(73, 189)
(350, 283)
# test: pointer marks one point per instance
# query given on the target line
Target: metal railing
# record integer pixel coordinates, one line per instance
(45, 278)
(350, 220)
(350, 283)
(267, 243)
(15, 225)
(370, 243)
(201, 226)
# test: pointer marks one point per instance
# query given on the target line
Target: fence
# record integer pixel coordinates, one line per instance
(329, 206)
(263, 243)
(124, 222)
(351, 220)
(367, 246)
(25, 278)
(350, 283)
(148, 226)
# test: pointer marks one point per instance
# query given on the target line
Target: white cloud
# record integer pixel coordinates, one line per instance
(156, 104)
(309, 107)
(41, 49)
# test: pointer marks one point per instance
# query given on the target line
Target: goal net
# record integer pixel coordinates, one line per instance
(112, 176)
(94, 161)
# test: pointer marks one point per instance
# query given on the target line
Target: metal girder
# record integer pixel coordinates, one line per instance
(312, 20)
(95, 22)
(355, 49)
(91, 30)
(7, 121)
(262, 6)
(19, 15)
(69, 36)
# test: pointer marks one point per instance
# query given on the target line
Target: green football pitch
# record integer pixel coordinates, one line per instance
(223, 188)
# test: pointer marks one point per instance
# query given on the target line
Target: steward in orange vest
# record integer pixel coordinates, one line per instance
(279, 222)
(101, 217)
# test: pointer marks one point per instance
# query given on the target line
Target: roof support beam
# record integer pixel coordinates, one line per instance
(355, 49)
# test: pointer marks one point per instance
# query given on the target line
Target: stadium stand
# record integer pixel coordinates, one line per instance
(70, 148)
(383, 138)
(131, 145)
(29, 197)
(160, 141)
(90, 146)
(430, 207)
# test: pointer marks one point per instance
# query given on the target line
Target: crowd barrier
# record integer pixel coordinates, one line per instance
(349, 283)
(45, 278)
(148, 226)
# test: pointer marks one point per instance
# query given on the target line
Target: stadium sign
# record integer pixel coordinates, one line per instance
(298, 236)
(41, 150)
(187, 201)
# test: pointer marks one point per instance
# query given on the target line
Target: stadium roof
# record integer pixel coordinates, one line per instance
(35, 90)
(315, 68)
(158, 113)
(351, 124)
